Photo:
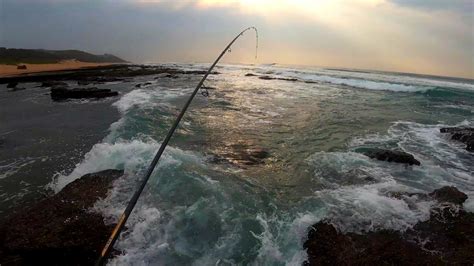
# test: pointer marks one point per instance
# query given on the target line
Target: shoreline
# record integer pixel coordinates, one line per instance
(7, 71)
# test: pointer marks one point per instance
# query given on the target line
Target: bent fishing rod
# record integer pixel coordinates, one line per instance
(133, 201)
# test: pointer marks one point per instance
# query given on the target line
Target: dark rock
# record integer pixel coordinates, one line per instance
(200, 72)
(100, 74)
(449, 233)
(99, 80)
(241, 155)
(392, 156)
(271, 78)
(266, 77)
(58, 94)
(370, 179)
(21, 67)
(83, 82)
(60, 230)
(53, 84)
(139, 85)
(449, 194)
(462, 134)
(251, 75)
(172, 76)
(327, 246)
(447, 238)
(12, 85)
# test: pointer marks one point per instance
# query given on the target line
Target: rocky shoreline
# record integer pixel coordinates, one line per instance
(62, 229)
(447, 238)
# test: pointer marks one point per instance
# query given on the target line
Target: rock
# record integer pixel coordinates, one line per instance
(271, 78)
(449, 235)
(21, 67)
(100, 74)
(171, 76)
(12, 85)
(200, 72)
(327, 246)
(392, 156)
(251, 75)
(447, 238)
(462, 134)
(83, 82)
(53, 84)
(241, 155)
(58, 94)
(139, 85)
(266, 77)
(60, 230)
(449, 194)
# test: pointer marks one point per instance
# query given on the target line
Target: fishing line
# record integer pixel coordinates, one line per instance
(133, 201)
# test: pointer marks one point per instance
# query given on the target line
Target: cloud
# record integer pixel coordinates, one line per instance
(374, 34)
(461, 6)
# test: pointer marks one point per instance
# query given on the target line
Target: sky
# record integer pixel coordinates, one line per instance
(418, 36)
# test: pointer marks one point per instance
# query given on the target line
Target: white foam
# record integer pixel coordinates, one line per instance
(9, 168)
(443, 161)
(371, 80)
(367, 208)
(132, 156)
(370, 85)
(134, 98)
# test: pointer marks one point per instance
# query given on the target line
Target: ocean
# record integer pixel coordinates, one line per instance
(205, 205)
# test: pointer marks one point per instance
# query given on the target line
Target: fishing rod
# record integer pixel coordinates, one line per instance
(133, 201)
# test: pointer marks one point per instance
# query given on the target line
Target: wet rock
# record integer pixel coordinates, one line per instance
(266, 77)
(392, 156)
(462, 134)
(241, 155)
(200, 72)
(53, 84)
(172, 76)
(60, 230)
(447, 238)
(58, 94)
(12, 85)
(83, 82)
(143, 84)
(251, 75)
(101, 74)
(449, 194)
(101, 80)
(327, 246)
(449, 233)
(272, 78)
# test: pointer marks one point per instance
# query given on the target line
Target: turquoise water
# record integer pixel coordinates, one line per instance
(196, 211)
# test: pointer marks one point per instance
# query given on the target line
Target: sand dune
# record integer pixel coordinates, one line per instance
(11, 70)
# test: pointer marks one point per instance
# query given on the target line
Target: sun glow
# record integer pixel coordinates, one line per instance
(323, 10)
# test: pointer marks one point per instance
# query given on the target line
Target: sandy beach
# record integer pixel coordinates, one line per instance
(11, 70)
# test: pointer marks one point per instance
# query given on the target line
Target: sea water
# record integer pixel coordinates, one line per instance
(196, 211)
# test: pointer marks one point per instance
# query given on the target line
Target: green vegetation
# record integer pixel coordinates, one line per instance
(40, 56)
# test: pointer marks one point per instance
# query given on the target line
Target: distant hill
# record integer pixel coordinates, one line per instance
(40, 56)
